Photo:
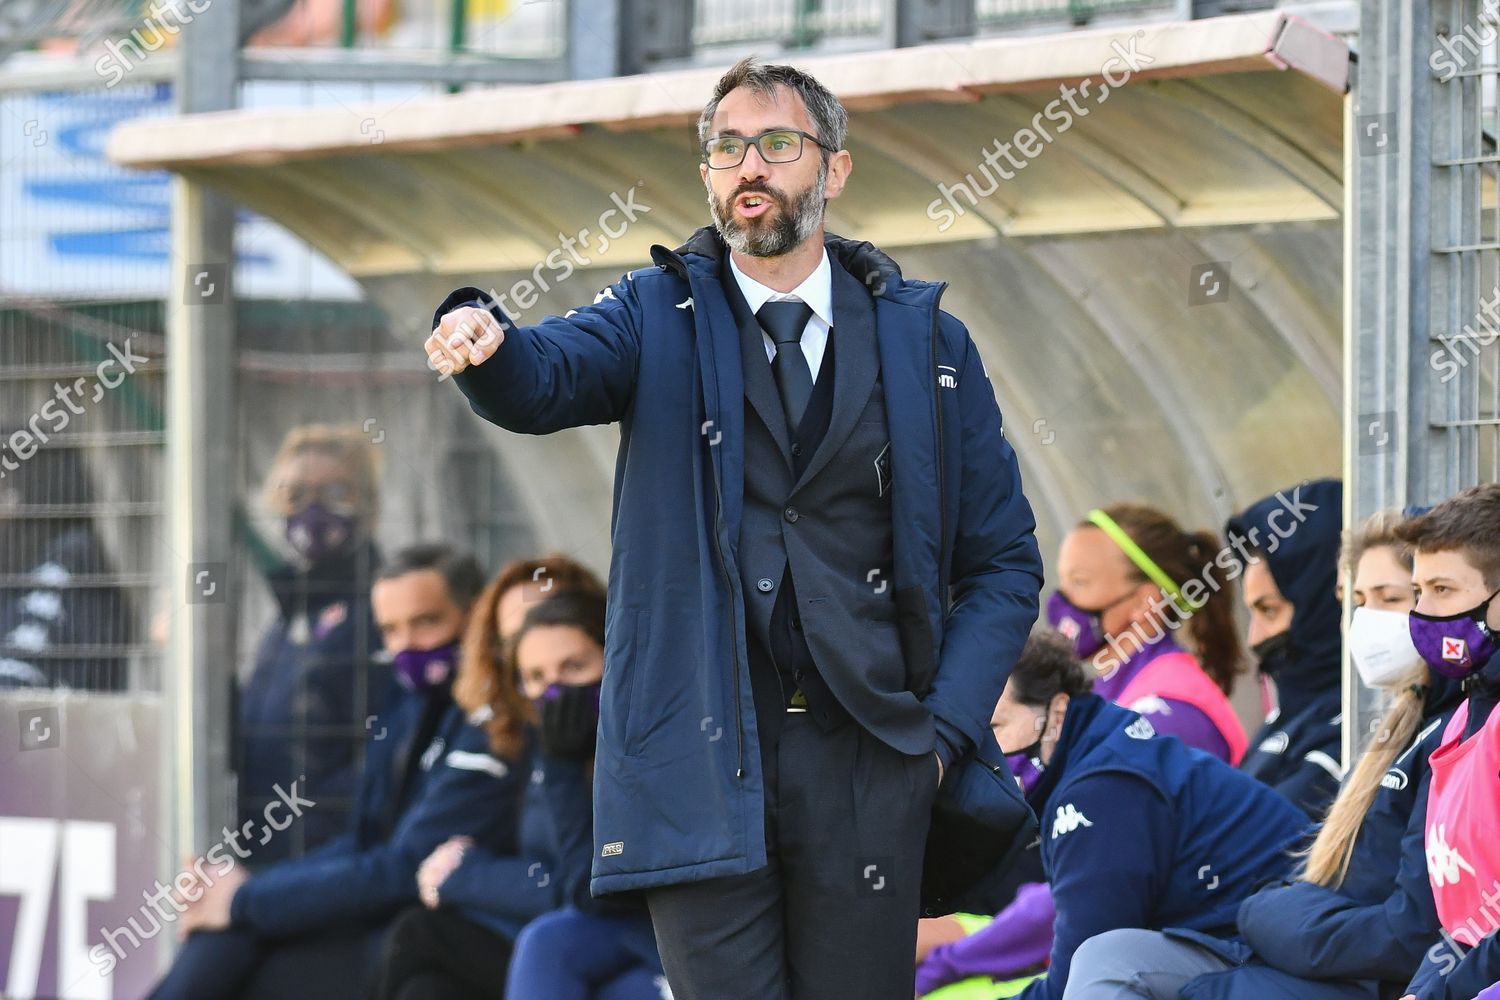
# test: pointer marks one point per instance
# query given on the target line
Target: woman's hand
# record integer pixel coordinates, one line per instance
(434, 871)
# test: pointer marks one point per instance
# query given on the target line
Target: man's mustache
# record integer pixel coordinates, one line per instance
(769, 192)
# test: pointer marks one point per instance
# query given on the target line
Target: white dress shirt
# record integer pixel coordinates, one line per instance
(816, 290)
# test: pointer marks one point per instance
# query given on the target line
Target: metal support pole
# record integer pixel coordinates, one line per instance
(202, 456)
(919, 22)
(594, 39)
(1392, 452)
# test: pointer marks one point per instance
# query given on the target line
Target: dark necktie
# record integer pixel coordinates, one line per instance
(785, 321)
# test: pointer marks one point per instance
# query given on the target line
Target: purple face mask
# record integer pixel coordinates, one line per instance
(1078, 625)
(317, 532)
(1454, 645)
(420, 669)
(1024, 767)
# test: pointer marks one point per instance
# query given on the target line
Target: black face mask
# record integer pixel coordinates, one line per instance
(569, 720)
(1273, 652)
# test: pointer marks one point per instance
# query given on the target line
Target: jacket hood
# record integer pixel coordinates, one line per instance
(1297, 532)
(872, 267)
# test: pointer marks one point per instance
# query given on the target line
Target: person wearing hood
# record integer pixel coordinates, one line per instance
(308, 928)
(1353, 923)
(1456, 569)
(318, 675)
(1138, 831)
(1288, 545)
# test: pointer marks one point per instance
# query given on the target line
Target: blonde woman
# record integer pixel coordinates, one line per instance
(315, 682)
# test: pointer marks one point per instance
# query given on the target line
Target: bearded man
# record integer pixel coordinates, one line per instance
(823, 565)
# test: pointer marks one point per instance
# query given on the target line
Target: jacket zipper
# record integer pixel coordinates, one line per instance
(734, 623)
(937, 399)
(734, 618)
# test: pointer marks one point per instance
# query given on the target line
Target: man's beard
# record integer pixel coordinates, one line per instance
(776, 231)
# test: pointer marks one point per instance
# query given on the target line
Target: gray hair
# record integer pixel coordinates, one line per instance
(828, 115)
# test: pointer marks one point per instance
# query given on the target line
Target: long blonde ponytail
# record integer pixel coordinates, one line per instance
(1328, 858)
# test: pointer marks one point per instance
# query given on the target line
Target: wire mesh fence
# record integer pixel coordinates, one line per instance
(1463, 372)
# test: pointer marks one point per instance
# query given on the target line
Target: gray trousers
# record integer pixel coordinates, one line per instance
(834, 912)
(1133, 963)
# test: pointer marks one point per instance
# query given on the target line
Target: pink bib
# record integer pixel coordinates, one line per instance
(1463, 816)
(1179, 677)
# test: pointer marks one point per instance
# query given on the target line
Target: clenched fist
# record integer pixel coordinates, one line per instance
(464, 337)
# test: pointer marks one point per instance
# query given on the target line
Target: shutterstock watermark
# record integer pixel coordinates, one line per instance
(1450, 359)
(25, 440)
(1449, 951)
(1032, 140)
(1447, 61)
(191, 883)
(1168, 615)
(164, 19)
(562, 261)
(560, 264)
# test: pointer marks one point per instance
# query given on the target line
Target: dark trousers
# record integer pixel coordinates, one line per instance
(234, 965)
(440, 955)
(572, 955)
(834, 912)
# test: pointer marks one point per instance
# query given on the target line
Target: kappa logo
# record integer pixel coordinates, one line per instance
(1068, 819)
(612, 849)
(1277, 742)
(433, 752)
(1444, 863)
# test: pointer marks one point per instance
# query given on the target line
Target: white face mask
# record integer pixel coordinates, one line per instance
(1381, 647)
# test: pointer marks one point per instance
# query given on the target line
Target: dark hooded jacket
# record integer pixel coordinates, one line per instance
(1296, 531)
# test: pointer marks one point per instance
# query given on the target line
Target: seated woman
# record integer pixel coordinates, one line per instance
(1355, 922)
(592, 949)
(1134, 589)
(1138, 831)
(491, 918)
(1146, 606)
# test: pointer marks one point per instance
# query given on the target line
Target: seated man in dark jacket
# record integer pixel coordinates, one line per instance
(310, 927)
(1139, 831)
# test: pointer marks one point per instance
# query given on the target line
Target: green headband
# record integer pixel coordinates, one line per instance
(1142, 561)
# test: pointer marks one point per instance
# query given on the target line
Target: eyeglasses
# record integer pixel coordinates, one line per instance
(781, 145)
